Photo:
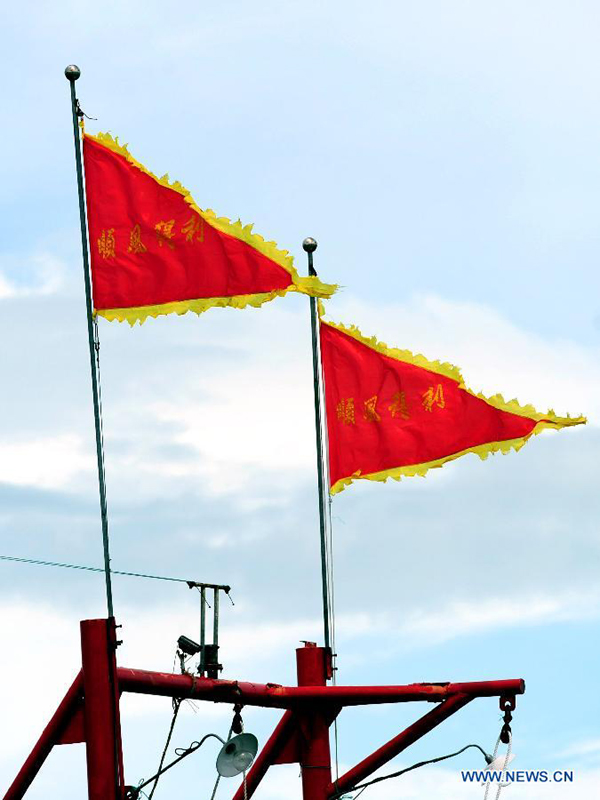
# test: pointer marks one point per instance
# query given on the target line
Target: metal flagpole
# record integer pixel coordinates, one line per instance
(72, 73)
(309, 245)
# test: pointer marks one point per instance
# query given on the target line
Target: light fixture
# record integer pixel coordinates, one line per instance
(498, 763)
(237, 755)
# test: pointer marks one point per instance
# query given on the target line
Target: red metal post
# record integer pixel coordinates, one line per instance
(50, 737)
(396, 745)
(315, 757)
(102, 723)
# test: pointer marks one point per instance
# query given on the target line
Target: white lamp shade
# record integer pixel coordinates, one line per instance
(237, 755)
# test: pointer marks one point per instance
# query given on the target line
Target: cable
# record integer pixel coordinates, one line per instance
(363, 786)
(181, 752)
(41, 563)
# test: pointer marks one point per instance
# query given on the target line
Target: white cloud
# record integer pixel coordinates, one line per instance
(45, 275)
(252, 411)
(587, 748)
(50, 462)
(470, 618)
(227, 422)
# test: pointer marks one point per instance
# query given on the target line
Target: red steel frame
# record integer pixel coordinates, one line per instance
(89, 713)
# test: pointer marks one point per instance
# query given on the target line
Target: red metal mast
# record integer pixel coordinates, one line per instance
(89, 713)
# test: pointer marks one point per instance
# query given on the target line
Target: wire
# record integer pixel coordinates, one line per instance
(181, 752)
(363, 786)
(41, 563)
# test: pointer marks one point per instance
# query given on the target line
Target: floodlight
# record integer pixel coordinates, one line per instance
(237, 755)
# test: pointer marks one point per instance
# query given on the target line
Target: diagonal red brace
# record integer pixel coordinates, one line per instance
(51, 736)
(396, 745)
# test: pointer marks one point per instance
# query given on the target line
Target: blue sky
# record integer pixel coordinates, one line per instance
(445, 157)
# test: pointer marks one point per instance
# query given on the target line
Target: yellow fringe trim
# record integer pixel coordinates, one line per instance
(306, 285)
(548, 420)
(141, 313)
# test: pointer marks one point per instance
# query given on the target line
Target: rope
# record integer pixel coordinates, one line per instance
(100, 413)
(176, 707)
(330, 561)
(331, 575)
(329, 523)
(500, 784)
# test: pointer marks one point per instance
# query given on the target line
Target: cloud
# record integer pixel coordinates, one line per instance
(39, 274)
(49, 463)
(586, 748)
(490, 614)
(236, 413)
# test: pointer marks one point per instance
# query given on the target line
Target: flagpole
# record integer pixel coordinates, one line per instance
(309, 245)
(72, 73)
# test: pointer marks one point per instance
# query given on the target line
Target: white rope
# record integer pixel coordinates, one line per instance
(506, 760)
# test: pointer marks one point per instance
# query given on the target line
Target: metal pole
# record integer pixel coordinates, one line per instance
(72, 73)
(310, 245)
(202, 630)
(216, 617)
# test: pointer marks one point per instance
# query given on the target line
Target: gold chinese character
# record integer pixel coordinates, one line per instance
(399, 408)
(106, 243)
(371, 414)
(345, 411)
(135, 241)
(164, 232)
(194, 228)
(434, 396)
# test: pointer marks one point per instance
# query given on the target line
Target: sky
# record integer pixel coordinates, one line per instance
(445, 157)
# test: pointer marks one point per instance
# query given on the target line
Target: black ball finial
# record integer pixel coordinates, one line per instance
(72, 72)
(309, 245)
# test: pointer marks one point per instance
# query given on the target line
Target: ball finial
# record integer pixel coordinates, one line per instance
(72, 72)
(309, 244)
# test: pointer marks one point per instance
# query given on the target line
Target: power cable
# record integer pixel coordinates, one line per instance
(41, 563)
(363, 786)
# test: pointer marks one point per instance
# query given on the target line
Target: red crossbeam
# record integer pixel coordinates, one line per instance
(271, 695)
